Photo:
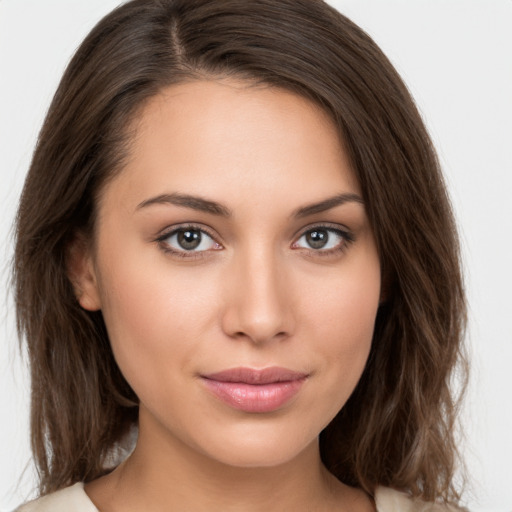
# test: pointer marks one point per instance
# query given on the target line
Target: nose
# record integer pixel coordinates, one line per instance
(258, 303)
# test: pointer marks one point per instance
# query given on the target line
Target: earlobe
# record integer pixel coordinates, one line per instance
(82, 274)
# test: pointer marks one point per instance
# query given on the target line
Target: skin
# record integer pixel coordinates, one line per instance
(255, 294)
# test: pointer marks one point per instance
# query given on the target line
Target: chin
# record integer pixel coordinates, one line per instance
(254, 449)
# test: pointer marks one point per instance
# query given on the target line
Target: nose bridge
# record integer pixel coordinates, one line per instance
(257, 306)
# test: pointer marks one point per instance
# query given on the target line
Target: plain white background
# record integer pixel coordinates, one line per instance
(455, 56)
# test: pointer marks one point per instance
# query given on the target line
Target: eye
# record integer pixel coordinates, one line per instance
(323, 238)
(188, 240)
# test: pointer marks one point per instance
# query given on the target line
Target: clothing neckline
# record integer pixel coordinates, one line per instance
(74, 497)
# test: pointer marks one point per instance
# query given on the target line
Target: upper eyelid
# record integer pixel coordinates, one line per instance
(326, 225)
(170, 230)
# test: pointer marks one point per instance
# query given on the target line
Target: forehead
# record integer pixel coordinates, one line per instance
(221, 137)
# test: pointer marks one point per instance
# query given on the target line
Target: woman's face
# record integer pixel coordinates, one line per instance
(236, 271)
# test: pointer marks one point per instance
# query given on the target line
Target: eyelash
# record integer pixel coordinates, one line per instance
(190, 255)
(347, 236)
(347, 239)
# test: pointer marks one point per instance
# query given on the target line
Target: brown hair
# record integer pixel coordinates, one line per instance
(397, 428)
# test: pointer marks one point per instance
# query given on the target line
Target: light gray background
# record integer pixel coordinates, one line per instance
(456, 57)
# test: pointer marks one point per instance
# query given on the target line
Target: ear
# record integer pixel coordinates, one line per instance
(82, 273)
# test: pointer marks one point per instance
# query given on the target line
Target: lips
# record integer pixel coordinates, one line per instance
(255, 391)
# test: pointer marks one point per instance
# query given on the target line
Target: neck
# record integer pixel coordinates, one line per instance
(164, 475)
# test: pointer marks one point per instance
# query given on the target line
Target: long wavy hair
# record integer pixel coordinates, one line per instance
(397, 428)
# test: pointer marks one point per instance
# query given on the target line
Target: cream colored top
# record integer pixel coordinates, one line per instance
(74, 499)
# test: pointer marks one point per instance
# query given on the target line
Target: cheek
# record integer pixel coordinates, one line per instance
(348, 305)
(153, 315)
(342, 318)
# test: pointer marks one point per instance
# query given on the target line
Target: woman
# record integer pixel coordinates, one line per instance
(235, 244)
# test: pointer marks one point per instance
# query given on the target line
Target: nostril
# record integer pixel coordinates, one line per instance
(260, 337)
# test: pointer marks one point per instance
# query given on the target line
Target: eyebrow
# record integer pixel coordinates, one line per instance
(214, 208)
(188, 201)
(327, 204)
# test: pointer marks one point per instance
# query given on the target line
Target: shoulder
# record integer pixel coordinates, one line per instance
(389, 500)
(70, 499)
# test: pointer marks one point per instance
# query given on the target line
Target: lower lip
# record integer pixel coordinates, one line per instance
(255, 397)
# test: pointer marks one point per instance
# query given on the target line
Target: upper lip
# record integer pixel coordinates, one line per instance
(256, 376)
